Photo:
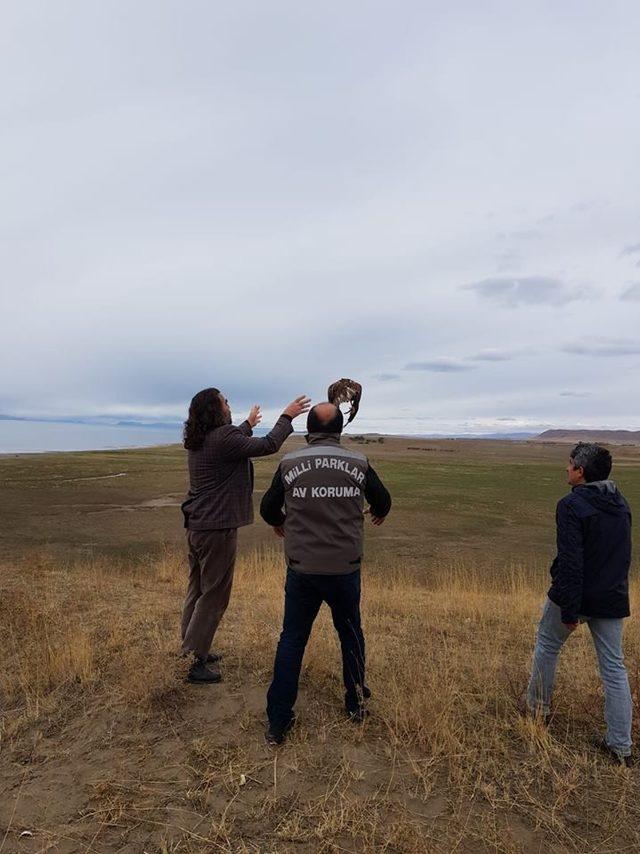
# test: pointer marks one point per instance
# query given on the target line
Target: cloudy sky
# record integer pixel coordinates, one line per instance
(441, 200)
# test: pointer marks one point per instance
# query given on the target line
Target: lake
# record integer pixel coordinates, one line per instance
(18, 437)
(35, 437)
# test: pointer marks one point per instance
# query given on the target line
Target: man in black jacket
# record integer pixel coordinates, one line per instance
(589, 585)
(322, 489)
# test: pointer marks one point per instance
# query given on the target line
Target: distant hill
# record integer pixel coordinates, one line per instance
(614, 437)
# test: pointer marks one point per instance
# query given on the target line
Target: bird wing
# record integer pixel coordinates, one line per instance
(346, 391)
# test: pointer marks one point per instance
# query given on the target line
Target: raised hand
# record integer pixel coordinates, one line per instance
(255, 416)
(298, 406)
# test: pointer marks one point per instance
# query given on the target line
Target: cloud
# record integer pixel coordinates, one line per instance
(575, 394)
(520, 234)
(531, 290)
(440, 366)
(583, 207)
(631, 250)
(604, 347)
(281, 221)
(632, 293)
(385, 378)
(490, 355)
(508, 261)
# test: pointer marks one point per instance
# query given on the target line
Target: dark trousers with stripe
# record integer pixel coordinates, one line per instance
(304, 594)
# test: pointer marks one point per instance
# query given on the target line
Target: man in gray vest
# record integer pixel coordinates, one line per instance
(316, 503)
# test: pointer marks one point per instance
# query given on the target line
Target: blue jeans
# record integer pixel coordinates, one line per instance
(607, 638)
(304, 594)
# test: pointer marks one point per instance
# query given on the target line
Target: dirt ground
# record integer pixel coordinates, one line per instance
(105, 748)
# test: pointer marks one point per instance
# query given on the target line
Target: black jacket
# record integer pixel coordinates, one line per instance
(323, 488)
(590, 574)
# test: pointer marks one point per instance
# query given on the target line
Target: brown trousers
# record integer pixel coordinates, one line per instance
(212, 557)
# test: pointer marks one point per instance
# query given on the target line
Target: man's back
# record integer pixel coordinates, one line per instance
(323, 488)
(324, 500)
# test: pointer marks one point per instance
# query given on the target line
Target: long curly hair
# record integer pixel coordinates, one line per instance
(205, 414)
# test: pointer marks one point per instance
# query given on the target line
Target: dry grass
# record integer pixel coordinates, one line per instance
(105, 748)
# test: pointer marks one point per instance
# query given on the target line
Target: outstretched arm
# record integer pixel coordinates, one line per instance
(238, 443)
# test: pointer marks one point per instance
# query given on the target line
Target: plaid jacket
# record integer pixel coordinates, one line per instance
(221, 475)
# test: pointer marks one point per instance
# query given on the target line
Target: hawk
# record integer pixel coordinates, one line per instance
(346, 391)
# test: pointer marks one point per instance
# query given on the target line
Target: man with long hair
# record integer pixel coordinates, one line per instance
(218, 503)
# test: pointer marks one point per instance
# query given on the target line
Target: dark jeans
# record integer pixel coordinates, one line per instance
(304, 594)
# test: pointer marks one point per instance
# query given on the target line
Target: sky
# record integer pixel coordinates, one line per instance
(440, 200)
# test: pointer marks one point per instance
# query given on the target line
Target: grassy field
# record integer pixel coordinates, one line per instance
(105, 748)
(468, 498)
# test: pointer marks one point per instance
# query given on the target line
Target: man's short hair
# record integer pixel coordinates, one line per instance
(316, 425)
(594, 460)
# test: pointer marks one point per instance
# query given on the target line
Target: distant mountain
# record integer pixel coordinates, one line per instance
(91, 421)
(614, 437)
(104, 421)
(152, 425)
(507, 437)
(41, 420)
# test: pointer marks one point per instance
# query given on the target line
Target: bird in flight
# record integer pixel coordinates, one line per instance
(346, 391)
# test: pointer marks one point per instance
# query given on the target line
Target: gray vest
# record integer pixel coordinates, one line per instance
(324, 498)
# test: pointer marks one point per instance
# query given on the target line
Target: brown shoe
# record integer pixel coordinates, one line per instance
(212, 658)
(199, 673)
